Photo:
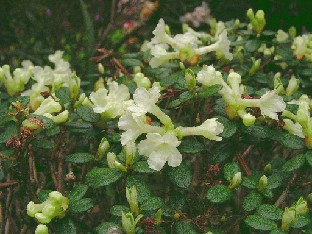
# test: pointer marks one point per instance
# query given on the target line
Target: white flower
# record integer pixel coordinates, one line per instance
(161, 35)
(160, 149)
(185, 40)
(271, 103)
(208, 76)
(160, 55)
(222, 46)
(145, 100)
(210, 129)
(111, 103)
(300, 44)
(293, 128)
(48, 106)
(281, 35)
(134, 126)
(60, 118)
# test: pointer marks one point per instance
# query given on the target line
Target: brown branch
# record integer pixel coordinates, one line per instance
(120, 66)
(284, 194)
(242, 162)
(7, 157)
(8, 184)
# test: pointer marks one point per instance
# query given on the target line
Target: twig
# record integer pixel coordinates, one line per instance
(120, 66)
(242, 162)
(8, 184)
(8, 158)
(283, 196)
(52, 170)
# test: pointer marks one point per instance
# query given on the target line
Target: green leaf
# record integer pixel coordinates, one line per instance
(290, 141)
(99, 177)
(252, 45)
(294, 163)
(191, 145)
(183, 227)
(302, 221)
(184, 97)
(170, 80)
(308, 155)
(230, 169)
(152, 203)
(87, 114)
(275, 180)
(118, 209)
(142, 167)
(306, 72)
(131, 62)
(252, 201)
(278, 231)
(259, 131)
(143, 191)
(81, 205)
(65, 226)
(219, 193)
(44, 195)
(222, 152)
(181, 175)
(268, 33)
(63, 94)
(79, 125)
(230, 127)
(10, 131)
(250, 181)
(207, 92)
(286, 53)
(105, 227)
(79, 158)
(270, 212)
(43, 143)
(77, 192)
(260, 223)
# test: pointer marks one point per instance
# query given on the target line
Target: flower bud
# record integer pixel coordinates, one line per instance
(33, 209)
(288, 218)
(42, 229)
(278, 85)
(101, 68)
(236, 180)
(42, 218)
(190, 80)
(132, 198)
(292, 32)
(99, 84)
(301, 207)
(293, 86)
(268, 169)
(103, 148)
(48, 210)
(130, 151)
(263, 183)
(56, 196)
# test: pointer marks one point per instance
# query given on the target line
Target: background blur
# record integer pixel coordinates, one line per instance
(35, 28)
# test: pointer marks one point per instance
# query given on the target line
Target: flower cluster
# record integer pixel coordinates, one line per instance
(300, 124)
(54, 207)
(161, 142)
(186, 47)
(232, 91)
(302, 46)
